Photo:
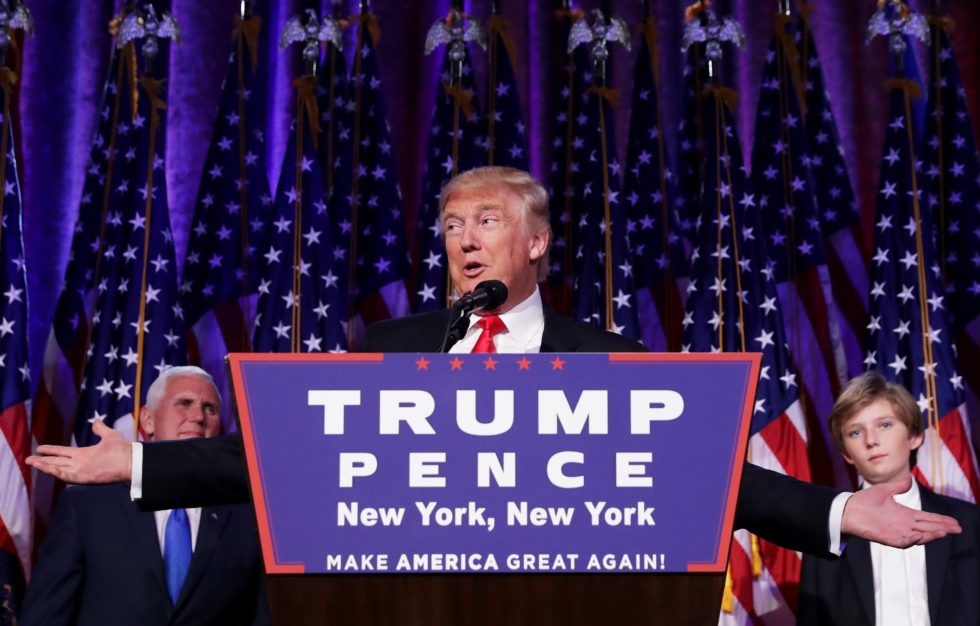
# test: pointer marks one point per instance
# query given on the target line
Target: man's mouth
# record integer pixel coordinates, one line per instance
(877, 457)
(473, 269)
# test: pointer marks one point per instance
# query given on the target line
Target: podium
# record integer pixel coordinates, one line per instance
(495, 489)
(512, 599)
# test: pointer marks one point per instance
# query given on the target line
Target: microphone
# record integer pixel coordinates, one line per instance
(489, 294)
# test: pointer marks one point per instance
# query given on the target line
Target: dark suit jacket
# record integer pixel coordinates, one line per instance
(210, 471)
(101, 564)
(841, 591)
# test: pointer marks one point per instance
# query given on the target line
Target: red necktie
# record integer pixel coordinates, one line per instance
(491, 325)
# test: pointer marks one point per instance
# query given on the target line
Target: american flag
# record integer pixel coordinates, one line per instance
(380, 255)
(603, 289)
(564, 170)
(304, 286)
(56, 396)
(690, 138)
(506, 132)
(733, 306)
(952, 180)
(784, 196)
(137, 325)
(15, 382)
(910, 339)
(457, 141)
(844, 245)
(231, 222)
(659, 259)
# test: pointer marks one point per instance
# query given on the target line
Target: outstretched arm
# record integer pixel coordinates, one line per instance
(193, 472)
(795, 514)
(109, 461)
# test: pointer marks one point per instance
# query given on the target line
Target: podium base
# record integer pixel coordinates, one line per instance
(511, 599)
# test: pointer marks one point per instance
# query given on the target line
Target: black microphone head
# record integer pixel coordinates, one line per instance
(496, 293)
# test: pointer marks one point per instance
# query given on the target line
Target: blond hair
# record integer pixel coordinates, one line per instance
(532, 196)
(866, 389)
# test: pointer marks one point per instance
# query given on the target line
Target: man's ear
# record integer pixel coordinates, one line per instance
(146, 420)
(539, 244)
(916, 441)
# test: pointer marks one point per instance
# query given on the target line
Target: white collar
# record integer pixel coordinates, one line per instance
(523, 321)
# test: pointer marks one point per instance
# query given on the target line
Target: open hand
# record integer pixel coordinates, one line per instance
(109, 461)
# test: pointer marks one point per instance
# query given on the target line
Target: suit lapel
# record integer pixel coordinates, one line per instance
(213, 523)
(858, 558)
(148, 542)
(559, 334)
(937, 556)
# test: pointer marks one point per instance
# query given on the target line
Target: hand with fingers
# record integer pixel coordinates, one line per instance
(110, 460)
(874, 515)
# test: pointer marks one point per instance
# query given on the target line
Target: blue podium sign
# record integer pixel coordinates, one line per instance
(502, 463)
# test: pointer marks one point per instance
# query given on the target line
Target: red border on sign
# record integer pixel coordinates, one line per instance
(720, 563)
(256, 479)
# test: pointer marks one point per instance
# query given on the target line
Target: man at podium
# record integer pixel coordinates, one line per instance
(496, 226)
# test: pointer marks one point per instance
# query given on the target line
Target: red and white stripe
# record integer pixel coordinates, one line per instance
(848, 267)
(771, 597)
(813, 337)
(16, 526)
(946, 461)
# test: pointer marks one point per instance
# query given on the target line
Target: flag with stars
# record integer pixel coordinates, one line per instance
(840, 216)
(231, 222)
(564, 169)
(137, 326)
(16, 527)
(733, 306)
(603, 289)
(953, 184)
(506, 133)
(56, 395)
(784, 196)
(658, 257)
(457, 142)
(909, 335)
(303, 291)
(380, 254)
(690, 138)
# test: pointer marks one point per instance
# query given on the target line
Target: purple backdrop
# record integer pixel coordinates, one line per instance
(65, 64)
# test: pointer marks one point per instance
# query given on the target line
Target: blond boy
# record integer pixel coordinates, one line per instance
(877, 427)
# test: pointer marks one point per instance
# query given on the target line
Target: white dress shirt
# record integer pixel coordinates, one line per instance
(525, 327)
(161, 518)
(901, 591)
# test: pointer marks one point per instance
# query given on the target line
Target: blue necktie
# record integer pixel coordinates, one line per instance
(176, 551)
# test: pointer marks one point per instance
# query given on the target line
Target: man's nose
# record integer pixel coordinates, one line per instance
(871, 439)
(469, 239)
(196, 413)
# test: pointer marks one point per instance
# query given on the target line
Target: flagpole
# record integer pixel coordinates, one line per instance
(786, 63)
(569, 199)
(935, 21)
(671, 328)
(456, 84)
(152, 87)
(127, 55)
(929, 366)
(495, 25)
(7, 81)
(241, 35)
(600, 92)
(363, 18)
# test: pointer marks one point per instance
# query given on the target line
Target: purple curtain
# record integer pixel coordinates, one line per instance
(66, 61)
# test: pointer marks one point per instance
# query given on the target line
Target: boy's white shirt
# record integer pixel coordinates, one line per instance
(901, 590)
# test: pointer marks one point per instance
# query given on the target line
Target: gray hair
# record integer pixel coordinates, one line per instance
(531, 193)
(159, 386)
